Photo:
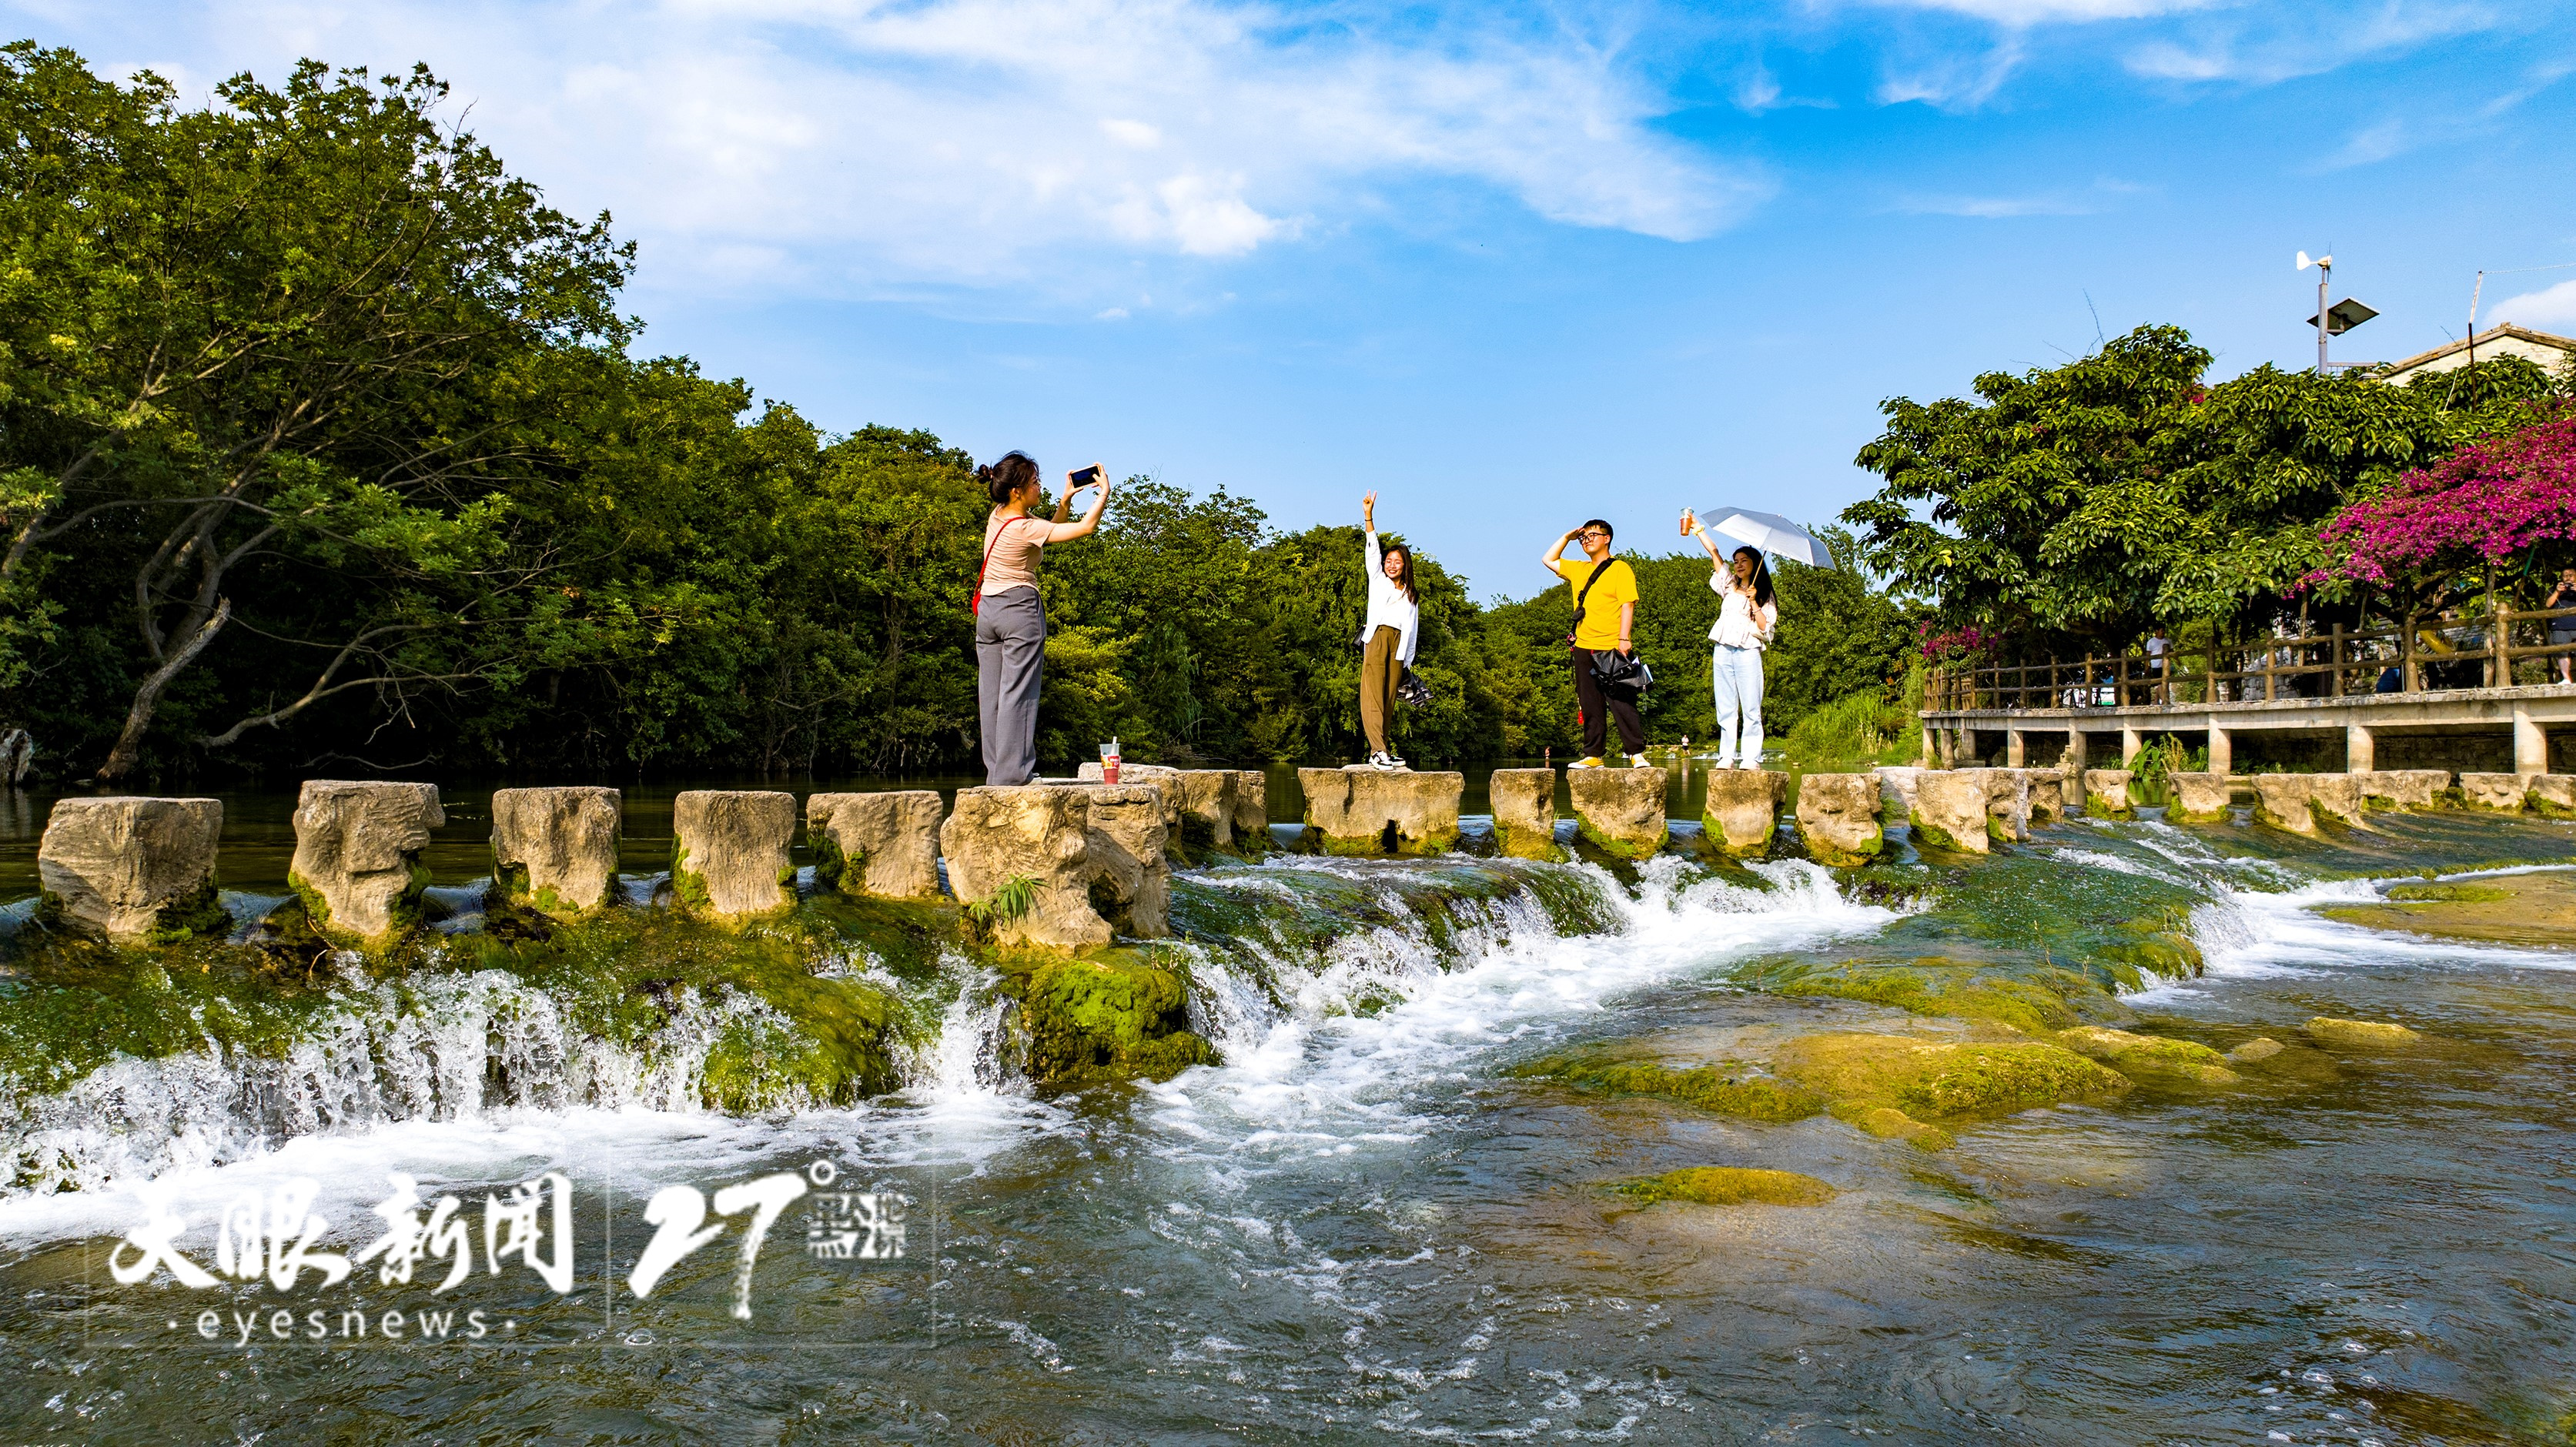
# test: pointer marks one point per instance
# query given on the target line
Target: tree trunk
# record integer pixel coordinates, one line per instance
(147, 698)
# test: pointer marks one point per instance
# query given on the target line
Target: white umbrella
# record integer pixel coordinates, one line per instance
(1770, 532)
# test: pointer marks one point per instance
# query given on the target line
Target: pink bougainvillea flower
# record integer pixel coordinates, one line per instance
(2486, 503)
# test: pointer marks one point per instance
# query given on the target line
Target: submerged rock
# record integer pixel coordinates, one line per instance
(1018, 859)
(2197, 798)
(1938, 1079)
(1937, 985)
(1621, 811)
(2534, 909)
(885, 844)
(555, 850)
(135, 870)
(1888, 1123)
(1524, 805)
(1742, 812)
(1728, 1186)
(2256, 1050)
(1729, 1087)
(1363, 811)
(1838, 818)
(2360, 1034)
(729, 859)
(357, 857)
(2150, 1057)
(1950, 810)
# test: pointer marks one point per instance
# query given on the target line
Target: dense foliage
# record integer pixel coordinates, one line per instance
(323, 446)
(2080, 507)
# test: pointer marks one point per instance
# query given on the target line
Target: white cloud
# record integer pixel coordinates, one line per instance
(887, 143)
(2052, 12)
(1995, 207)
(2296, 41)
(2552, 307)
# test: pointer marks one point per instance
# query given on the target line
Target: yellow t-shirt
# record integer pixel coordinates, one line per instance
(1600, 626)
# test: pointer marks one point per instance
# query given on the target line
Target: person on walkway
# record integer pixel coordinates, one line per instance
(1747, 612)
(1010, 621)
(2562, 631)
(1387, 636)
(1605, 621)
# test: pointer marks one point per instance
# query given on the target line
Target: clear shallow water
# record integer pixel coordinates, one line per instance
(1362, 1226)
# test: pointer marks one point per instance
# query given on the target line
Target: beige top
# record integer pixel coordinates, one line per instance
(1014, 556)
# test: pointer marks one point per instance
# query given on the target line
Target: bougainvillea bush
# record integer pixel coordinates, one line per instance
(2488, 503)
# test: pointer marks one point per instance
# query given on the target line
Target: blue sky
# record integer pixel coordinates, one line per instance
(1511, 267)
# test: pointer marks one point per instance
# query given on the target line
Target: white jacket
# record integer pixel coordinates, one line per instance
(1739, 623)
(1388, 607)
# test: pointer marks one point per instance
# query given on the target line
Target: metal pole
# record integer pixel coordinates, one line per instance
(2325, 275)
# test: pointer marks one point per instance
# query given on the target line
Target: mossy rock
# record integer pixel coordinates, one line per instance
(2448, 893)
(1728, 1186)
(1935, 1079)
(1112, 1016)
(2152, 1059)
(2361, 1034)
(2536, 909)
(1888, 1123)
(1728, 1088)
(1935, 836)
(1936, 985)
(1623, 849)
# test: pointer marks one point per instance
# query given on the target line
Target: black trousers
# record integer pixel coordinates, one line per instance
(1599, 708)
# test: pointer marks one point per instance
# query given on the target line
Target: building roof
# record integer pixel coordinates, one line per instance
(2501, 338)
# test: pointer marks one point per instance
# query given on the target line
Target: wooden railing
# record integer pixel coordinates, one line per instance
(2425, 655)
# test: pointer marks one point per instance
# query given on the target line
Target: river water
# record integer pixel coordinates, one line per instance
(1363, 1225)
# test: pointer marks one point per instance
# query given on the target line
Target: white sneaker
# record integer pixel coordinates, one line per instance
(1382, 762)
(1396, 761)
(1640, 761)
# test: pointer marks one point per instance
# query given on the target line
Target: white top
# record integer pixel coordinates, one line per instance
(1388, 607)
(1739, 623)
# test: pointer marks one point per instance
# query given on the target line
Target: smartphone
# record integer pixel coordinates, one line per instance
(1085, 477)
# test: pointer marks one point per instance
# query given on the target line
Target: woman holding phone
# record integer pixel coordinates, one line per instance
(1747, 612)
(1010, 621)
(1387, 636)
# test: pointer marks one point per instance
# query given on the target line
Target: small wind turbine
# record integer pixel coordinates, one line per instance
(2334, 320)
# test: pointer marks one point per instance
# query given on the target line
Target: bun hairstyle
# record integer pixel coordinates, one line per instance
(1761, 576)
(1007, 475)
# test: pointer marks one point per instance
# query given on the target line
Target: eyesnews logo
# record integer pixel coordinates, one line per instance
(245, 1327)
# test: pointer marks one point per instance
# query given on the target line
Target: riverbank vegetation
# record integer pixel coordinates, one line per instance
(324, 446)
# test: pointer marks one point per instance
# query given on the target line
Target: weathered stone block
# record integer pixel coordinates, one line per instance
(2402, 788)
(1950, 809)
(884, 843)
(1838, 818)
(357, 857)
(1742, 812)
(132, 869)
(2106, 793)
(2504, 792)
(2007, 804)
(1371, 811)
(1128, 877)
(2552, 794)
(1251, 811)
(729, 859)
(1620, 811)
(2047, 800)
(1198, 804)
(2196, 798)
(555, 850)
(1896, 786)
(1038, 833)
(2297, 801)
(1524, 802)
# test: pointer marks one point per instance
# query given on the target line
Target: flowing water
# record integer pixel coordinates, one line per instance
(1362, 1224)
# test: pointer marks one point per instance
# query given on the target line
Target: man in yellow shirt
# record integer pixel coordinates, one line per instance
(1605, 618)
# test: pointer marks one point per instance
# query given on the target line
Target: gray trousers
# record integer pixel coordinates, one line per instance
(1010, 647)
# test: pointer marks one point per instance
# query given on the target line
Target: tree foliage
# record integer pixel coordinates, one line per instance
(2088, 503)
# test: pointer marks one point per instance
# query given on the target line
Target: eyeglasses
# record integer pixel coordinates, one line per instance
(1592, 533)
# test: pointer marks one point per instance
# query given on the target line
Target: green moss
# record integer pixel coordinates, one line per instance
(1373, 846)
(1888, 1123)
(2150, 1058)
(835, 870)
(1728, 1088)
(1728, 1186)
(194, 916)
(1938, 986)
(2361, 1034)
(2448, 893)
(688, 887)
(1930, 834)
(1621, 848)
(2112, 805)
(1113, 1015)
(1935, 1079)
(1833, 858)
(1537, 844)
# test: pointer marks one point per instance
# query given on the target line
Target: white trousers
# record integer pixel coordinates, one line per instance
(1736, 676)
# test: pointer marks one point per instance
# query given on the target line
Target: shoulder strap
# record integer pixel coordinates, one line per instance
(1597, 570)
(982, 567)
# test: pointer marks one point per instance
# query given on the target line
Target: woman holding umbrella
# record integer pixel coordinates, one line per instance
(1747, 613)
